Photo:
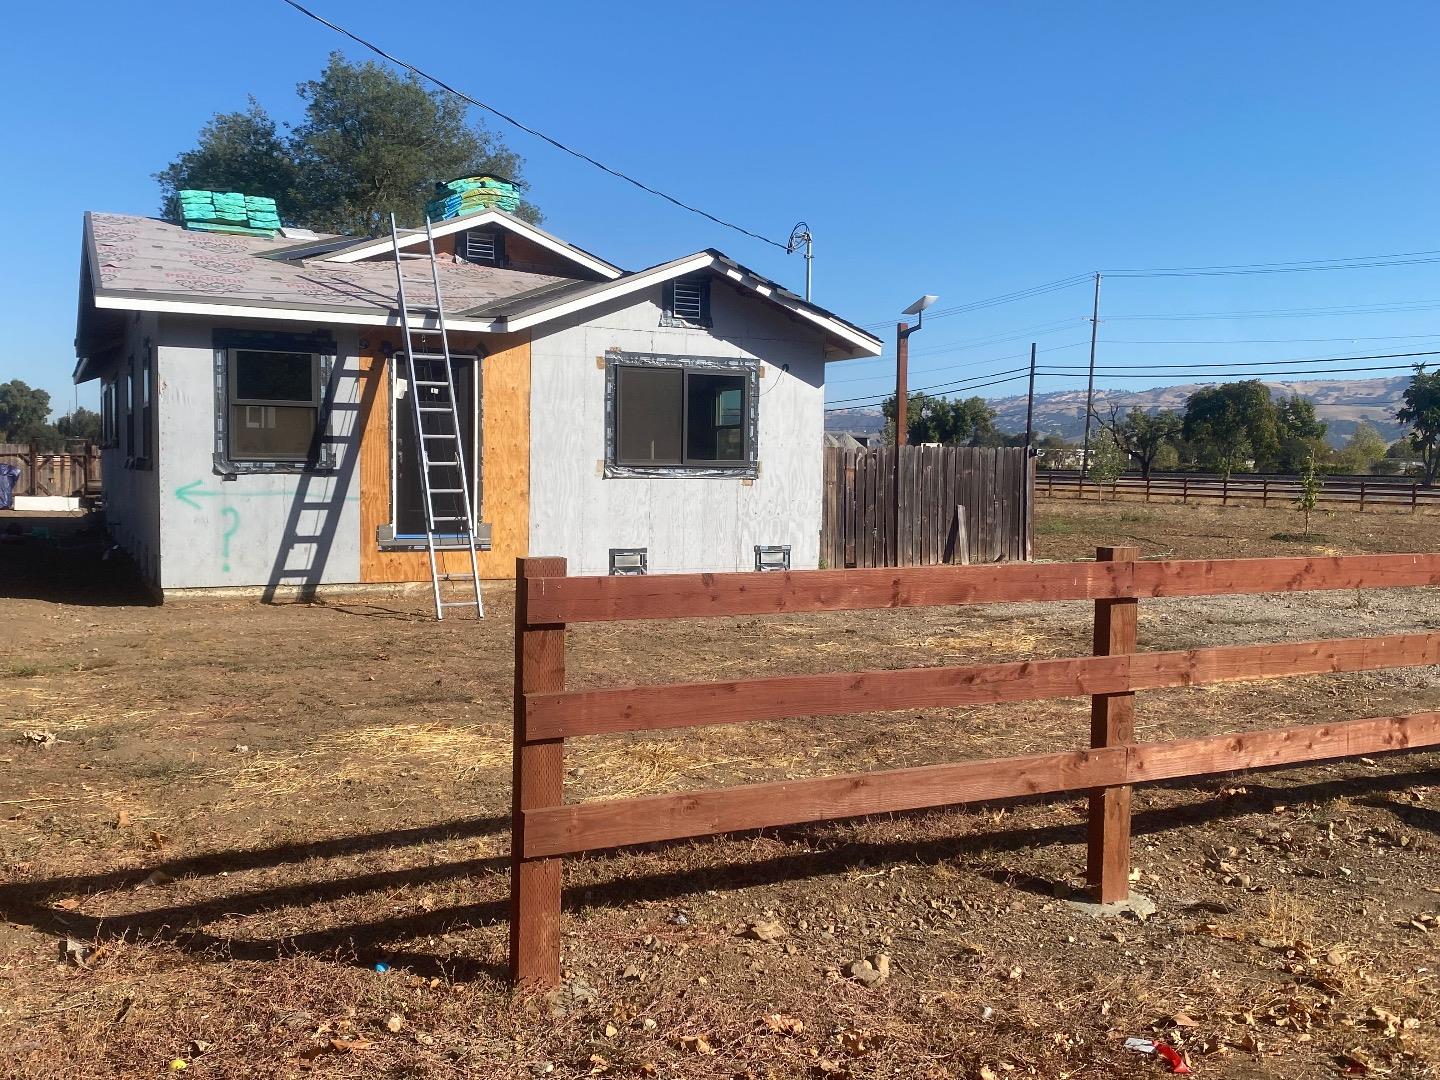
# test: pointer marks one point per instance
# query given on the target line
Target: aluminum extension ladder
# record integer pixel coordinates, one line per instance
(444, 435)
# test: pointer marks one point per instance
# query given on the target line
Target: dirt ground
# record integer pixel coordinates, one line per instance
(217, 819)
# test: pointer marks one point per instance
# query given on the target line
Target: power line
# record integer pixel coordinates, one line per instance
(1230, 374)
(1303, 266)
(875, 400)
(954, 383)
(1270, 363)
(419, 73)
(993, 301)
(1266, 341)
(1281, 313)
(932, 370)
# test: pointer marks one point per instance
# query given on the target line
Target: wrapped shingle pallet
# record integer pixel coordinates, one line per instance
(471, 195)
(229, 211)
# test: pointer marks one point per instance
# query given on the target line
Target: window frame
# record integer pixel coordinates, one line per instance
(497, 236)
(748, 468)
(321, 349)
(670, 317)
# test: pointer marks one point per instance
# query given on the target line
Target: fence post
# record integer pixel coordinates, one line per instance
(1362, 496)
(1265, 493)
(1185, 491)
(537, 780)
(1112, 723)
(1225, 492)
(1414, 496)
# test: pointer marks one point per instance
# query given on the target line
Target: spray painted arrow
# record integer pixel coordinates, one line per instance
(195, 490)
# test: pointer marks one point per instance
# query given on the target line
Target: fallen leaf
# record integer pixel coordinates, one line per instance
(697, 1044)
(394, 1024)
(784, 1025)
(350, 1046)
(68, 904)
(122, 819)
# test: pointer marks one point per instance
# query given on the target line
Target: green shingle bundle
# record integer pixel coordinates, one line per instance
(471, 195)
(229, 211)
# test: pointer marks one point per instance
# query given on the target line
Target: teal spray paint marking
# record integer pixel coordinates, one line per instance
(192, 492)
(232, 516)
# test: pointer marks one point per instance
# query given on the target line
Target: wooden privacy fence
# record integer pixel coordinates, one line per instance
(44, 473)
(545, 828)
(957, 504)
(1351, 492)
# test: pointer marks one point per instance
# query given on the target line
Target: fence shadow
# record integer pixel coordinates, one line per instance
(365, 943)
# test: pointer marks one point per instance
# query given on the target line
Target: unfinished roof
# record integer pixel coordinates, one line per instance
(144, 264)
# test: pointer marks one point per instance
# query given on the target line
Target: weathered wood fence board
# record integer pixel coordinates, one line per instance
(544, 828)
(43, 473)
(994, 485)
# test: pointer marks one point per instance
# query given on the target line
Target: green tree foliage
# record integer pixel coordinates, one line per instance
(1107, 459)
(1142, 436)
(1361, 451)
(1230, 425)
(1053, 452)
(23, 412)
(970, 422)
(372, 142)
(1302, 433)
(238, 151)
(83, 423)
(1310, 484)
(1420, 412)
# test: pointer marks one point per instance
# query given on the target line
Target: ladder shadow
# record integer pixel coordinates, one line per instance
(323, 493)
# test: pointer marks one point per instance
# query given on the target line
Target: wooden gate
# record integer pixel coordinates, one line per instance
(958, 504)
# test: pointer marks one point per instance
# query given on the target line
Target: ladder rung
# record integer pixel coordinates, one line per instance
(457, 603)
(435, 408)
(428, 382)
(450, 517)
(439, 435)
(443, 464)
(447, 491)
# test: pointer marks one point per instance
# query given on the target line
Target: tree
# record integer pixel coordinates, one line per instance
(1053, 452)
(83, 423)
(23, 411)
(372, 142)
(1310, 484)
(1142, 436)
(1421, 414)
(1361, 451)
(238, 151)
(1302, 433)
(970, 422)
(1230, 424)
(1107, 460)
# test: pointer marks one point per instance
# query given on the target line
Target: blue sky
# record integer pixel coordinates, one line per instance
(965, 149)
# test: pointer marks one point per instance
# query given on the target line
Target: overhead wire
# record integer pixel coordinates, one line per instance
(443, 85)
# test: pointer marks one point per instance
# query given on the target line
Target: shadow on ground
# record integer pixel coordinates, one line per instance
(29, 903)
(63, 558)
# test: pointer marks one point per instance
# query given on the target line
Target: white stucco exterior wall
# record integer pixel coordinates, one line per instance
(687, 523)
(288, 529)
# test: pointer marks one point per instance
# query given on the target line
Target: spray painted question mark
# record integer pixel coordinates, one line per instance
(232, 517)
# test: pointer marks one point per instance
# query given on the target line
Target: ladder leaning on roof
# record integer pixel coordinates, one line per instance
(445, 435)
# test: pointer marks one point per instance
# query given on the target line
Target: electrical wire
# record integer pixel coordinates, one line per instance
(1264, 341)
(953, 387)
(1263, 363)
(1219, 374)
(421, 74)
(1003, 298)
(934, 370)
(1301, 266)
(1279, 313)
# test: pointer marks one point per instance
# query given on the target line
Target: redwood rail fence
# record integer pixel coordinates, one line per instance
(43, 473)
(545, 828)
(1354, 492)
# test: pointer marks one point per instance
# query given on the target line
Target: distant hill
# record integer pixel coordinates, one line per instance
(1341, 403)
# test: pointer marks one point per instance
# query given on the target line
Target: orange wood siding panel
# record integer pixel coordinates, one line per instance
(505, 462)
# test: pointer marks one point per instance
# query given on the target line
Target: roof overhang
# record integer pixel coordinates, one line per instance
(852, 342)
(368, 249)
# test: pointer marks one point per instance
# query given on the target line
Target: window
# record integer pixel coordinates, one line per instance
(689, 413)
(274, 404)
(484, 246)
(687, 302)
(109, 434)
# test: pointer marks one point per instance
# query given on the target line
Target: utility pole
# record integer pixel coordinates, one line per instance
(1090, 388)
(1030, 402)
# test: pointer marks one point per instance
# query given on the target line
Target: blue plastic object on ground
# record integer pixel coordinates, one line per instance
(8, 475)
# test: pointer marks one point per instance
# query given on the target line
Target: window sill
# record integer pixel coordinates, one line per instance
(747, 471)
(386, 540)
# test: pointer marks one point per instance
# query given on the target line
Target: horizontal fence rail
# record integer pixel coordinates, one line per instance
(1352, 492)
(43, 473)
(545, 829)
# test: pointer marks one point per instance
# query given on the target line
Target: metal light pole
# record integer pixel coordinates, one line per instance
(801, 235)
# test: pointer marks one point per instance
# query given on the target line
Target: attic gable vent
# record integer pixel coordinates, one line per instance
(687, 302)
(482, 246)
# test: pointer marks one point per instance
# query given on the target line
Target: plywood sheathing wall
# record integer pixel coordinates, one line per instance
(505, 454)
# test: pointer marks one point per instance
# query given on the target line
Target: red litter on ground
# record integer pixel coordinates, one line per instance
(1165, 1050)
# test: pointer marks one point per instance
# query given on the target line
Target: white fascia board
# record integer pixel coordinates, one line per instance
(488, 217)
(864, 345)
(634, 283)
(262, 311)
